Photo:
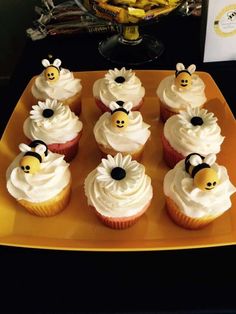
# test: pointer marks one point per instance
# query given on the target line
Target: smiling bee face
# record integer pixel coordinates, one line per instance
(206, 179)
(204, 176)
(51, 74)
(119, 119)
(30, 164)
(33, 156)
(183, 80)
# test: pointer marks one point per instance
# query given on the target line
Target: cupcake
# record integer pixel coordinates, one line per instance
(197, 191)
(189, 131)
(118, 191)
(39, 180)
(117, 85)
(182, 90)
(58, 83)
(56, 125)
(121, 130)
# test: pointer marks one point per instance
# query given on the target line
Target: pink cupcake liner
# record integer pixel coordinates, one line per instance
(170, 155)
(69, 149)
(165, 113)
(120, 222)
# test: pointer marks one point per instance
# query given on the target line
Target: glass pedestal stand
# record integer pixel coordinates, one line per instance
(129, 47)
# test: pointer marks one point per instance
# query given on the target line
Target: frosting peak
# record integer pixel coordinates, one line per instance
(119, 85)
(122, 196)
(194, 202)
(128, 139)
(64, 87)
(52, 177)
(183, 90)
(194, 130)
(52, 122)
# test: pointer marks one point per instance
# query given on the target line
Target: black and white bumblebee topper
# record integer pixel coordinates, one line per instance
(34, 154)
(199, 168)
(52, 71)
(183, 77)
(119, 114)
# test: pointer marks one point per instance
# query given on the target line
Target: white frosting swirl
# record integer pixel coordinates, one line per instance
(53, 176)
(66, 86)
(118, 198)
(193, 202)
(130, 139)
(107, 89)
(179, 99)
(61, 127)
(186, 138)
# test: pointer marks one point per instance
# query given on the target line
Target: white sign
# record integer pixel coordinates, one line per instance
(220, 41)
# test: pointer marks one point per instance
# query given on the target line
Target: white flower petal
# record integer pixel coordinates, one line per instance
(132, 168)
(102, 170)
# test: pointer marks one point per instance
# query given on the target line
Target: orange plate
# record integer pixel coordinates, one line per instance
(77, 228)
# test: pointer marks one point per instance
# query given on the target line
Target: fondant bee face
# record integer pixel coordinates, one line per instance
(206, 179)
(30, 164)
(51, 74)
(33, 156)
(204, 176)
(120, 119)
(183, 80)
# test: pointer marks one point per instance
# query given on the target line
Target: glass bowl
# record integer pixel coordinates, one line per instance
(129, 46)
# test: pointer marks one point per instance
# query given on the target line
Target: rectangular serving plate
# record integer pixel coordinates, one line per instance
(77, 228)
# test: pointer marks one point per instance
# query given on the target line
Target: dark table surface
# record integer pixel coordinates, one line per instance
(189, 281)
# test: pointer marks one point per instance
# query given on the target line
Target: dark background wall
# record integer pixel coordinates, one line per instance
(15, 17)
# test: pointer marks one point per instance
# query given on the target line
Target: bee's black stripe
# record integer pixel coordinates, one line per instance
(120, 109)
(198, 168)
(187, 163)
(181, 71)
(36, 143)
(34, 154)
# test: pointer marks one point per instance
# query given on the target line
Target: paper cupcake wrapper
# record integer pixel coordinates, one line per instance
(184, 221)
(51, 207)
(166, 113)
(170, 155)
(104, 108)
(74, 102)
(69, 149)
(120, 222)
(136, 155)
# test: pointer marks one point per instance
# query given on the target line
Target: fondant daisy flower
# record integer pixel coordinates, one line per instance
(118, 77)
(44, 112)
(195, 117)
(119, 173)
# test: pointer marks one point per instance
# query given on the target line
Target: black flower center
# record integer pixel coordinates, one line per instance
(47, 113)
(118, 173)
(120, 79)
(196, 121)
(120, 103)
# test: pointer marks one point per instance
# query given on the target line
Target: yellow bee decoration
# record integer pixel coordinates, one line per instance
(119, 114)
(183, 77)
(199, 168)
(120, 119)
(34, 154)
(52, 71)
(30, 163)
